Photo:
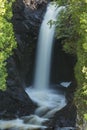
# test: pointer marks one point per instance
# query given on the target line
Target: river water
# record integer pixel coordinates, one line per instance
(49, 101)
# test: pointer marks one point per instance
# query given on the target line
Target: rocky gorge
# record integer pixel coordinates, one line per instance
(27, 18)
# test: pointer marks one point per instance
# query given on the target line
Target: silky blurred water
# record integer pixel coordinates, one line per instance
(48, 101)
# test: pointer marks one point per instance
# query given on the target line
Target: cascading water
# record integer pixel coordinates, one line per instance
(41, 93)
(44, 48)
(48, 101)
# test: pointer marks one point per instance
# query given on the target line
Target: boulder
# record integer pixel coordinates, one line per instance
(14, 102)
(66, 117)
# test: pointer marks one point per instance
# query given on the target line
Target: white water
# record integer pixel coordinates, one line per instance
(48, 101)
(44, 49)
(19, 124)
(65, 84)
(45, 98)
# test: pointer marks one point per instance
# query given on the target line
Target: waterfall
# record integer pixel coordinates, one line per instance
(44, 49)
(48, 101)
(46, 98)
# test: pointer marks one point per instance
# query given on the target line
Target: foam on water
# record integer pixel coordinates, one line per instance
(65, 84)
(48, 101)
(31, 122)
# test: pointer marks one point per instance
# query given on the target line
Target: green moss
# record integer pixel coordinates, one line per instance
(72, 27)
(7, 39)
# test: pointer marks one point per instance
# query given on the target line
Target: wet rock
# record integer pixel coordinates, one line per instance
(14, 101)
(14, 104)
(66, 128)
(62, 68)
(26, 22)
(66, 117)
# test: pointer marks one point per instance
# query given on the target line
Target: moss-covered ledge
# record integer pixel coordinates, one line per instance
(72, 27)
(7, 39)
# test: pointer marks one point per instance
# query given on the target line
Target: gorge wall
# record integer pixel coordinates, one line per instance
(26, 22)
(27, 18)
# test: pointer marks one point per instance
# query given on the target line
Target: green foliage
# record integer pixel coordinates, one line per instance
(7, 40)
(85, 116)
(72, 27)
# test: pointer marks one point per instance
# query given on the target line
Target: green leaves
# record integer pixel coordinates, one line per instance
(85, 47)
(7, 39)
(85, 116)
(72, 27)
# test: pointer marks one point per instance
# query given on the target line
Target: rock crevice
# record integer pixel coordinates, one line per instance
(14, 102)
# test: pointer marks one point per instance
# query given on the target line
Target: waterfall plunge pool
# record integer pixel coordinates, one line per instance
(48, 101)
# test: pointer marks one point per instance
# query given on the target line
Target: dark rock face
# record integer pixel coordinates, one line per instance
(66, 117)
(14, 102)
(62, 69)
(27, 18)
(26, 22)
(34, 4)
